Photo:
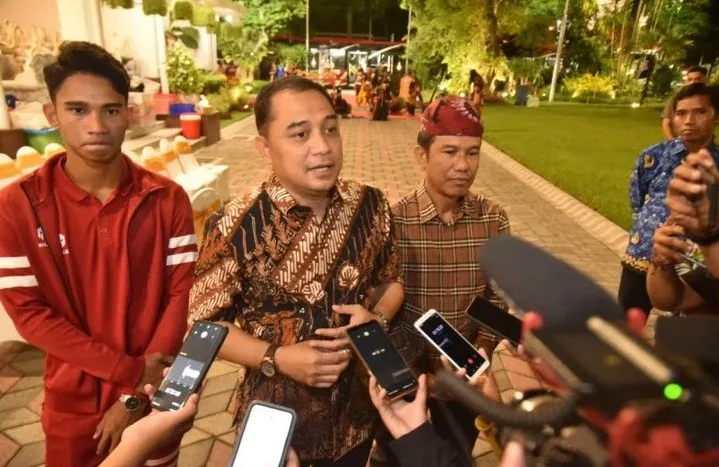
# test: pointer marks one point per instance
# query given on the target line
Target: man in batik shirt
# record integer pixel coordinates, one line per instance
(288, 266)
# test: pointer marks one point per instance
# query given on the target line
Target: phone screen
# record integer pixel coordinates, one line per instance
(264, 437)
(496, 319)
(190, 366)
(453, 345)
(382, 359)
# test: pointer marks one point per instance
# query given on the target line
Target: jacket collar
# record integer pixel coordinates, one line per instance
(39, 185)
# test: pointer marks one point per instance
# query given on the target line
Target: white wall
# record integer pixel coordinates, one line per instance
(133, 30)
(79, 20)
(29, 13)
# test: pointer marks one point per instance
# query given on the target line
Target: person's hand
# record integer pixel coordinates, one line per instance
(687, 194)
(484, 383)
(113, 423)
(155, 365)
(314, 363)
(514, 455)
(400, 417)
(292, 459)
(668, 248)
(357, 313)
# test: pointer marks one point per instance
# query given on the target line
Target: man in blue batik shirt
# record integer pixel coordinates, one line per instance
(695, 116)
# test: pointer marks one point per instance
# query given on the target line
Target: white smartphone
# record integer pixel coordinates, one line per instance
(264, 438)
(450, 343)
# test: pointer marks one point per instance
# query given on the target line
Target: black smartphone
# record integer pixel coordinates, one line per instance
(450, 343)
(190, 366)
(501, 322)
(265, 435)
(373, 346)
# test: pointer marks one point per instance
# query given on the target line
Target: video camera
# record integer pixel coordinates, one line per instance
(615, 399)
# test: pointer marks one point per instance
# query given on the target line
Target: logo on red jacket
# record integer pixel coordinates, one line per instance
(41, 237)
(63, 245)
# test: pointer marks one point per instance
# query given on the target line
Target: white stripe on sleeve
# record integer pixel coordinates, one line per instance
(11, 282)
(14, 262)
(181, 258)
(176, 242)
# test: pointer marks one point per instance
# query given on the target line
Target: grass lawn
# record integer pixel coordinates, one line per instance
(588, 151)
(236, 115)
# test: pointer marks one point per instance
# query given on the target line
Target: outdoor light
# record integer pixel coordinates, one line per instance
(505, 94)
(399, 66)
(462, 94)
(248, 87)
(635, 105)
(313, 62)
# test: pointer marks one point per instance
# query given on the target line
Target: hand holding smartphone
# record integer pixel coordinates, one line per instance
(190, 366)
(265, 435)
(450, 343)
(374, 348)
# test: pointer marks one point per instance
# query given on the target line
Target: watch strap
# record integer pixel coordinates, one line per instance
(270, 354)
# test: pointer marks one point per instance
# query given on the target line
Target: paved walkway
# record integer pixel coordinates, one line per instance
(378, 153)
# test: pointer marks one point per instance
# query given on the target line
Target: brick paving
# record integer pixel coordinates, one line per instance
(378, 153)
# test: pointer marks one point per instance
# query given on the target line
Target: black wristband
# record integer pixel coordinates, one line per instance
(706, 239)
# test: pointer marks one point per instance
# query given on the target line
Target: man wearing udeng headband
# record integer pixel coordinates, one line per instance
(440, 229)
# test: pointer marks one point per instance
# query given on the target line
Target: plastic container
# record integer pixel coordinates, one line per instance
(191, 125)
(38, 139)
(179, 109)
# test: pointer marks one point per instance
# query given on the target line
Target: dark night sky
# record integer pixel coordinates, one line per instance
(326, 16)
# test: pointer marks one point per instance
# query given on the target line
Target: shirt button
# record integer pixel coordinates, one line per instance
(103, 230)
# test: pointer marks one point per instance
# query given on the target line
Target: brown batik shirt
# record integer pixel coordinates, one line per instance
(270, 267)
(442, 271)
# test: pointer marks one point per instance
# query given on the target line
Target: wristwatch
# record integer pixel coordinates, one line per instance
(706, 239)
(131, 403)
(267, 367)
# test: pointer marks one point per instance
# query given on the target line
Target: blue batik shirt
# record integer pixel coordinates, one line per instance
(647, 195)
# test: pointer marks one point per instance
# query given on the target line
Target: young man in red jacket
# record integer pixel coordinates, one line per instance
(96, 263)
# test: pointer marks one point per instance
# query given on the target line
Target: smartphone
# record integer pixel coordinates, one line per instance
(450, 343)
(264, 438)
(190, 366)
(374, 348)
(501, 322)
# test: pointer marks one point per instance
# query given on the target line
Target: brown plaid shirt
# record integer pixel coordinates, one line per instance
(270, 267)
(442, 271)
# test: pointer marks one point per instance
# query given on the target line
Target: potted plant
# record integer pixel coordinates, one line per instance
(154, 7)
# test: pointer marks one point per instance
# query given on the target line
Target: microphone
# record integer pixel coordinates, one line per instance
(536, 281)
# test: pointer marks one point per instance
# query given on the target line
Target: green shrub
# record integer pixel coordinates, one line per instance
(154, 7)
(213, 82)
(182, 73)
(204, 15)
(663, 79)
(184, 10)
(221, 101)
(127, 4)
(238, 96)
(587, 88)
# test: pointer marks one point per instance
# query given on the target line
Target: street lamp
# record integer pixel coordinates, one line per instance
(307, 36)
(558, 56)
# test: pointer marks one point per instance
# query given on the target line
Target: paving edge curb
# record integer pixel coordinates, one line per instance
(596, 225)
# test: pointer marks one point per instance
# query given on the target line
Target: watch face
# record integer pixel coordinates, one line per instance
(267, 368)
(132, 403)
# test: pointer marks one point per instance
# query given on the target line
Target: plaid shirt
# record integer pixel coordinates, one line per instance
(442, 271)
(268, 266)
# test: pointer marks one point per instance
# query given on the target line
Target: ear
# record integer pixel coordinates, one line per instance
(421, 156)
(50, 113)
(263, 148)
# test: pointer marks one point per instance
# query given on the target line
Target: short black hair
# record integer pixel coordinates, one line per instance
(699, 89)
(85, 57)
(296, 84)
(425, 140)
(698, 69)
